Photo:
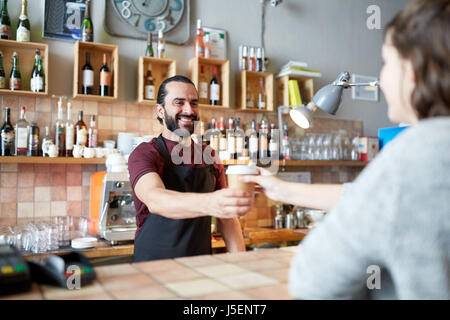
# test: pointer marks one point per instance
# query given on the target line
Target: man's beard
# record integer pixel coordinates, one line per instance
(172, 123)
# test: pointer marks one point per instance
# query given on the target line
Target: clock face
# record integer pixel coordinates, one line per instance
(150, 15)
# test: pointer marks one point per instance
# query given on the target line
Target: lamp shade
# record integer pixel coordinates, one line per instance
(329, 98)
(302, 116)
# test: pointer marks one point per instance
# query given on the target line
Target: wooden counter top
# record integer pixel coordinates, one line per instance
(259, 274)
(251, 236)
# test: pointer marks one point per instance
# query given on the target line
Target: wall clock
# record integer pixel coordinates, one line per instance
(135, 18)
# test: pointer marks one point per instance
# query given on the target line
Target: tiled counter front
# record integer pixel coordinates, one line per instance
(261, 275)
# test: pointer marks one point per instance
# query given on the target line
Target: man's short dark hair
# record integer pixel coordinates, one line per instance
(162, 92)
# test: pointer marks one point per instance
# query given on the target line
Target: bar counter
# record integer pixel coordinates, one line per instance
(261, 274)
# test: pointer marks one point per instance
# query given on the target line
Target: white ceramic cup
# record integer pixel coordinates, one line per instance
(52, 151)
(77, 151)
(109, 144)
(89, 153)
(99, 152)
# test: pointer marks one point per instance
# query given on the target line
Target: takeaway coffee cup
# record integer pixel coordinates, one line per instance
(234, 173)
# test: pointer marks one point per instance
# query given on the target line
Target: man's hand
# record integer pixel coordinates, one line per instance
(269, 184)
(229, 203)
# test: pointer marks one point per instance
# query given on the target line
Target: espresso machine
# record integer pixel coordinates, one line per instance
(116, 214)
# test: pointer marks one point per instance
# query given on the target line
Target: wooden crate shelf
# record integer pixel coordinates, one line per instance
(250, 80)
(306, 85)
(26, 52)
(56, 160)
(161, 70)
(223, 76)
(97, 50)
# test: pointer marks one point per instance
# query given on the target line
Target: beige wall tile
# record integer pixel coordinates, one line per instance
(58, 208)
(25, 210)
(43, 105)
(105, 123)
(25, 194)
(74, 193)
(90, 107)
(9, 167)
(119, 110)
(8, 179)
(8, 210)
(42, 194)
(8, 195)
(42, 209)
(119, 123)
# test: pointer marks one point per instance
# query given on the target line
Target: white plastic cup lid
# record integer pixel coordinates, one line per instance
(242, 169)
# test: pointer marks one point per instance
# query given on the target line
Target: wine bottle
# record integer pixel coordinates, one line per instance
(15, 79)
(149, 89)
(105, 78)
(70, 136)
(240, 139)
(7, 136)
(5, 22)
(33, 141)
(37, 75)
(161, 45)
(92, 133)
(149, 51)
(202, 86)
(22, 127)
(87, 28)
(214, 88)
(2, 73)
(199, 46)
(274, 146)
(81, 131)
(88, 76)
(23, 27)
(60, 133)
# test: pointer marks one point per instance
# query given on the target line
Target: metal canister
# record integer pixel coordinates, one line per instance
(279, 221)
(290, 222)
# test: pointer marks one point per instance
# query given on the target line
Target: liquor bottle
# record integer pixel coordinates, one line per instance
(259, 60)
(92, 133)
(161, 45)
(208, 49)
(149, 88)
(286, 150)
(46, 141)
(250, 104)
(5, 22)
(222, 139)
(199, 46)
(253, 143)
(263, 141)
(261, 95)
(149, 50)
(105, 78)
(215, 135)
(244, 59)
(2, 73)
(22, 127)
(240, 139)
(274, 150)
(87, 28)
(60, 134)
(70, 133)
(252, 60)
(231, 140)
(214, 89)
(33, 141)
(15, 79)
(37, 81)
(23, 27)
(80, 131)
(7, 136)
(203, 86)
(88, 76)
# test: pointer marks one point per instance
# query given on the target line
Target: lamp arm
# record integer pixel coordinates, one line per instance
(352, 84)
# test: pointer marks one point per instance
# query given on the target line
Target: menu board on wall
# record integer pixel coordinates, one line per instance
(63, 18)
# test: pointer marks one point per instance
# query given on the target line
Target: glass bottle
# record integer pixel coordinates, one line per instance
(22, 127)
(2, 73)
(149, 86)
(203, 86)
(37, 75)
(149, 50)
(214, 89)
(215, 135)
(261, 94)
(161, 45)
(81, 131)
(240, 139)
(92, 133)
(199, 46)
(244, 59)
(70, 133)
(274, 149)
(259, 60)
(252, 60)
(208, 49)
(286, 149)
(23, 27)
(231, 140)
(15, 79)
(223, 138)
(263, 140)
(5, 22)
(7, 136)
(33, 141)
(253, 142)
(105, 78)
(60, 134)
(46, 141)
(87, 28)
(88, 76)
(250, 104)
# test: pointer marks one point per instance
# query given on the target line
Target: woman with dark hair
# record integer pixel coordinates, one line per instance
(387, 235)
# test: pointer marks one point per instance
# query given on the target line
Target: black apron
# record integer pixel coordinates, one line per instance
(165, 238)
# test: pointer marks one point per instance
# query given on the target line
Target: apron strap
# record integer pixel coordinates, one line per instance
(163, 149)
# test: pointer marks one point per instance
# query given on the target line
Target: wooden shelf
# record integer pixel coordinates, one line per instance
(47, 160)
(304, 163)
(249, 80)
(96, 50)
(305, 84)
(26, 52)
(210, 107)
(223, 76)
(161, 70)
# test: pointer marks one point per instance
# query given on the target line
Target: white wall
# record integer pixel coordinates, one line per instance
(330, 35)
